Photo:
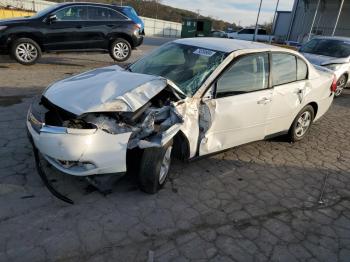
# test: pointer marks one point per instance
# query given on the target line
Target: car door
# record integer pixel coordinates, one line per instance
(64, 32)
(101, 21)
(237, 115)
(289, 75)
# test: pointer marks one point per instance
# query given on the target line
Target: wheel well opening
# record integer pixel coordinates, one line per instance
(181, 147)
(123, 36)
(26, 35)
(315, 107)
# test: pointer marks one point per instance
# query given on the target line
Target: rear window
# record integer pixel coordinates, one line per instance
(104, 14)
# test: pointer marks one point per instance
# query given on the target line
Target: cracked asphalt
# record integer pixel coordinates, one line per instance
(257, 202)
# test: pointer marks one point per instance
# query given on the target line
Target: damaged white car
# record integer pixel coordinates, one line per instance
(186, 99)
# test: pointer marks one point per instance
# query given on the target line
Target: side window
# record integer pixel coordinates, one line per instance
(72, 13)
(262, 32)
(301, 69)
(284, 69)
(249, 73)
(104, 14)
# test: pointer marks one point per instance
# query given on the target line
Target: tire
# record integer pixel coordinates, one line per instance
(26, 51)
(120, 50)
(302, 123)
(341, 84)
(152, 166)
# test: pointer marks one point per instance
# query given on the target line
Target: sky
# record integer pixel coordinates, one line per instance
(243, 12)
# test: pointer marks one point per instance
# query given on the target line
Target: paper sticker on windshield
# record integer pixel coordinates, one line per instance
(204, 52)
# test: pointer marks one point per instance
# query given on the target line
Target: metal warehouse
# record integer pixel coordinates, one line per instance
(319, 17)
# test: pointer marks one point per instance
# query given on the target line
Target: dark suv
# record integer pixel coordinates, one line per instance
(71, 27)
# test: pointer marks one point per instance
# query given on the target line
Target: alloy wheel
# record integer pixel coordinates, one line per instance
(340, 85)
(164, 168)
(26, 52)
(121, 50)
(303, 124)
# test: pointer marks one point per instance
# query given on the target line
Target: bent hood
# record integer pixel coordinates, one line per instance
(104, 90)
(324, 60)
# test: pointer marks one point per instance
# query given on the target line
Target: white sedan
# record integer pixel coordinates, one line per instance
(332, 53)
(187, 99)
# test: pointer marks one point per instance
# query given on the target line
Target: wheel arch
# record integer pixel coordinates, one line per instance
(315, 107)
(31, 36)
(181, 146)
(123, 36)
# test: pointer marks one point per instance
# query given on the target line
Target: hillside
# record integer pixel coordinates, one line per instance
(154, 9)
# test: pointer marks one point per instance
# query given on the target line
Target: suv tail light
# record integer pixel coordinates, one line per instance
(334, 84)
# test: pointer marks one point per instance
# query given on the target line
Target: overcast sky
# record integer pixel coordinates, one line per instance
(238, 11)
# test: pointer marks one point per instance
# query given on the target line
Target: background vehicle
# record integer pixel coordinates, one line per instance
(71, 27)
(131, 13)
(220, 34)
(188, 98)
(332, 53)
(248, 34)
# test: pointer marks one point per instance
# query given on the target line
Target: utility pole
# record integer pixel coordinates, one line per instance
(336, 22)
(257, 22)
(313, 21)
(274, 22)
(198, 12)
(121, 2)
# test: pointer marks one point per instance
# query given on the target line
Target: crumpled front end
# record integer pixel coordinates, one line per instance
(97, 142)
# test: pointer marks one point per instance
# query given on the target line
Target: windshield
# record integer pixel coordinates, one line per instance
(187, 66)
(327, 47)
(45, 11)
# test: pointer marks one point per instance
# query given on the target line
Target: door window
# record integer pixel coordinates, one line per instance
(284, 68)
(249, 73)
(72, 13)
(104, 14)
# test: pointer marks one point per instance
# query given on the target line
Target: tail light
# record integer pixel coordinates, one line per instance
(334, 84)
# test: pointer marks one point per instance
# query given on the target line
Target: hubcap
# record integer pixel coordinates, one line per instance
(121, 50)
(164, 169)
(26, 52)
(303, 124)
(340, 85)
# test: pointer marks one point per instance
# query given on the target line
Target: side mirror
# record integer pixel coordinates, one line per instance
(51, 19)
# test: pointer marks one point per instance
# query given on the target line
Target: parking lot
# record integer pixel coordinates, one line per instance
(257, 202)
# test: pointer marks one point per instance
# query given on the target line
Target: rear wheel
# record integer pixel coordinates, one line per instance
(120, 50)
(302, 123)
(341, 84)
(154, 169)
(26, 51)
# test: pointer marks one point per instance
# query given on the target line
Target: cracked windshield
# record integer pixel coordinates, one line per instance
(187, 66)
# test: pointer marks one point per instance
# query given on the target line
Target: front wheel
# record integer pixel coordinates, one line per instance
(154, 169)
(26, 51)
(341, 84)
(302, 123)
(120, 50)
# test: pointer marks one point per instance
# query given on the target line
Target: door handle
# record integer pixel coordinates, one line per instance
(264, 101)
(79, 26)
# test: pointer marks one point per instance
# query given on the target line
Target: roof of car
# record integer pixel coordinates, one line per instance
(224, 44)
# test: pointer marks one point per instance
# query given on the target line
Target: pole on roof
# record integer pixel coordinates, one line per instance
(336, 22)
(257, 21)
(274, 22)
(313, 20)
